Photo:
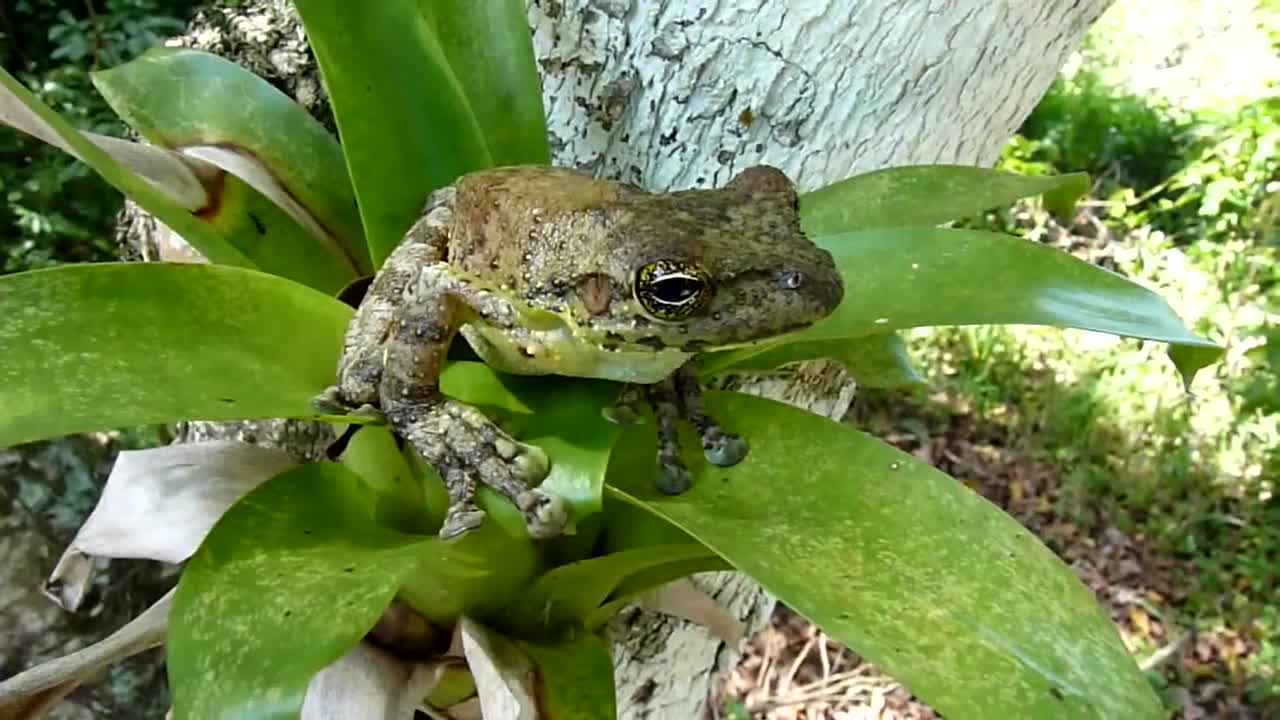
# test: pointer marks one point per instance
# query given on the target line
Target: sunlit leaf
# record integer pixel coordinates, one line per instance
(490, 49)
(180, 98)
(404, 120)
(912, 277)
(101, 346)
(300, 557)
(874, 361)
(923, 195)
(908, 567)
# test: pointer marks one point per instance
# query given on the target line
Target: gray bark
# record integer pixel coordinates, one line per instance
(678, 93)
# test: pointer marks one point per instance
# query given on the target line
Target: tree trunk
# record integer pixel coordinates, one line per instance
(680, 93)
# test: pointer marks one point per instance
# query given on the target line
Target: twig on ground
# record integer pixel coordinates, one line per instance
(1161, 656)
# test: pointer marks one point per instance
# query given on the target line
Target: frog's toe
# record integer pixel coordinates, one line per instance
(460, 520)
(621, 414)
(330, 402)
(545, 515)
(626, 409)
(672, 478)
(723, 449)
(529, 463)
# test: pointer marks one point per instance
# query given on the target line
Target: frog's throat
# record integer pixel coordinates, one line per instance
(559, 351)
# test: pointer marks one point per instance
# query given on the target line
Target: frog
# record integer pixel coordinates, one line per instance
(547, 270)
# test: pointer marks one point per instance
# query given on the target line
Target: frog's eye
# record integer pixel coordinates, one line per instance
(671, 289)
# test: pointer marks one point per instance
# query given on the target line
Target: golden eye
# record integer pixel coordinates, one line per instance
(672, 289)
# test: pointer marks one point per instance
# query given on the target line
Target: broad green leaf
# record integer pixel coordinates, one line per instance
(912, 277)
(490, 49)
(287, 581)
(404, 120)
(650, 579)
(908, 567)
(922, 195)
(566, 596)
(874, 361)
(511, 561)
(402, 500)
(179, 98)
(574, 679)
(102, 346)
(567, 424)
(272, 239)
(176, 201)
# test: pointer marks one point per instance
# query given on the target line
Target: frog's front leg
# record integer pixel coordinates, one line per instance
(457, 439)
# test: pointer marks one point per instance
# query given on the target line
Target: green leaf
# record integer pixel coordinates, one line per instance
(913, 277)
(874, 361)
(272, 239)
(405, 123)
(490, 49)
(101, 346)
(402, 503)
(911, 569)
(567, 424)
(575, 679)
(179, 98)
(174, 204)
(568, 595)
(287, 581)
(922, 195)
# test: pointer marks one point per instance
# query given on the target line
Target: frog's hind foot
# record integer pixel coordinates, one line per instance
(679, 396)
(467, 448)
(720, 447)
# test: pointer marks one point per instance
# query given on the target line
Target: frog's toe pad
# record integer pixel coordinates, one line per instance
(672, 478)
(529, 463)
(621, 414)
(330, 402)
(461, 520)
(545, 515)
(723, 449)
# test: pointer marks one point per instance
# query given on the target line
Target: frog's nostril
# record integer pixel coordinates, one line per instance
(790, 279)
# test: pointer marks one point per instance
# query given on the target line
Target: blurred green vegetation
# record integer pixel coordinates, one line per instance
(1185, 200)
(52, 209)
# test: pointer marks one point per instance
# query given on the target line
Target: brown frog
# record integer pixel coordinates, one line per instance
(549, 271)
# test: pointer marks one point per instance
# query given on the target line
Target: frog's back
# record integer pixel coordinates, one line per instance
(498, 213)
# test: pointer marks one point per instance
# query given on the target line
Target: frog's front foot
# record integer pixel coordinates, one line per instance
(466, 447)
(679, 396)
(333, 402)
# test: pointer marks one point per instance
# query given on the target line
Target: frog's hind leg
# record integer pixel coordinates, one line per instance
(455, 438)
(721, 448)
(679, 396)
(672, 477)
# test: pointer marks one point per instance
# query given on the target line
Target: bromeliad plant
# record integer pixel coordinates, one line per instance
(905, 565)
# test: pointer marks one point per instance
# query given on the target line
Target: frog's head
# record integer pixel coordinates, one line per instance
(704, 269)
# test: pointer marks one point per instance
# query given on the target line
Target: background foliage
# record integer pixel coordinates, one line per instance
(1185, 201)
(53, 209)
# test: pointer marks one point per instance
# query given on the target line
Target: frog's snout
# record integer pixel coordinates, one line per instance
(821, 290)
